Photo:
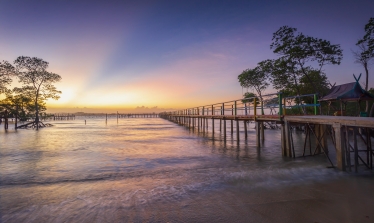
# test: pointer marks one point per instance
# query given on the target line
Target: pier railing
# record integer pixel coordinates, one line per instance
(288, 113)
(272, 104)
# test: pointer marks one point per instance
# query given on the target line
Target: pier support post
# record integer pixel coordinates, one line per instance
(245, 129)
(198, 124)
(283, 140)
(212, 126)
(224, 129)
(237, 130)
(320, 131)
(340, 145)
(262, 131)
(324, 139)
(232, 127)
(258, 132)
(287, 139)
(203, 124)
(317, 130)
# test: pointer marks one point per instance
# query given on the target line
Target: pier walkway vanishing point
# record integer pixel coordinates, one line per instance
(344, 131)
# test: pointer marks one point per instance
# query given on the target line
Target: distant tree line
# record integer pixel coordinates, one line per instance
(37, 85)
(299, 68)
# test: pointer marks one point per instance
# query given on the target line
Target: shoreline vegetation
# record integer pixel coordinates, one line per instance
(29, 100)
(298, 70)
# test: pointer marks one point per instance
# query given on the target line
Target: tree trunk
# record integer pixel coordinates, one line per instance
(15, 121)
(6, 119)
(36, 113)
(366, 85)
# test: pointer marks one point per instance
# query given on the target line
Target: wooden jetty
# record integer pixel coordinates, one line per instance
(132, 115)
(343, 131)
(63, 116)
(138, 115)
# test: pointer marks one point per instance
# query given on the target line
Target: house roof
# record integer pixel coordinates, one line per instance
(347, 92)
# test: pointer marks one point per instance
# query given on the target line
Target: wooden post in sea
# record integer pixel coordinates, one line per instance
(193, 119)
(203, 119)
(286, 138)
(15, 122)
(106, 117)
(189, 118)
(340, 146)
(232, 122)
(198, 120)
(355, 132)
(283, 140)
(224, 121)
(245, 129)
(262, 123)
(237, 122)
(212, 120)
(257, 124)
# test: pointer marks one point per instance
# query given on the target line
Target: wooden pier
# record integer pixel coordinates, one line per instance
(138, 115)
(343, 131)
(340, 129)
(63, 117)
(132, 115)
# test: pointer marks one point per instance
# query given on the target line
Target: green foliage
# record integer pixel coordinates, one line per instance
(371, 91)
(298, 52)
(254, 78)
(34, 77)
(37, 81)
(21, 104)
(300, 48)
(365, 53)
(283, 77)
(320, 82)
(368, 39)
(249, 97)
(6, 72)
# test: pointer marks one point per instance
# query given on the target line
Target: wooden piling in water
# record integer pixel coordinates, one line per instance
(257, 125)
(316, 127)
(340, 146)
(245, 129)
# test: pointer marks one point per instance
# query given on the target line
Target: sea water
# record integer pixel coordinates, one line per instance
(140, 169)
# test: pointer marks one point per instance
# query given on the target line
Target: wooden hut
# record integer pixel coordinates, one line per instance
(350, 92)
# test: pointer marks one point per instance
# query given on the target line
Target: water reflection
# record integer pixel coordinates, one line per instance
(109, 171)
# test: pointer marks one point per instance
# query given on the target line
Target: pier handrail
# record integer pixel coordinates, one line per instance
(243, 106)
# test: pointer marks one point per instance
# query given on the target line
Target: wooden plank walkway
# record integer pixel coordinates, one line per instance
(364, 122)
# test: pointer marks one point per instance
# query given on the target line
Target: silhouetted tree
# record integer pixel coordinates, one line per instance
(249, 97)
(6, 73)
(32, 73)
(365, 52)
(298, 53)
(254, 78)
(368, 38)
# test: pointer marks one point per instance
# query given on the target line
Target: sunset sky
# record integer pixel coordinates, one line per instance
(120, 55)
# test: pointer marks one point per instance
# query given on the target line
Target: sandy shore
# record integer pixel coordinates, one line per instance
(350, 199)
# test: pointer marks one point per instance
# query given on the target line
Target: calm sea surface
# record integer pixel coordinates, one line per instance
(139, 169)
